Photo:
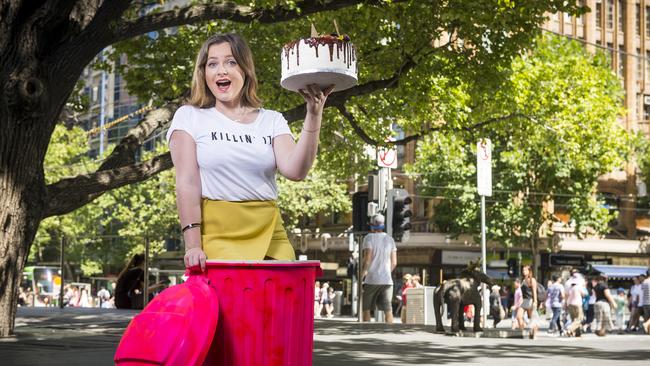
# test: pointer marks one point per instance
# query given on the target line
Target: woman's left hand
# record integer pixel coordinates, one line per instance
(315, 98)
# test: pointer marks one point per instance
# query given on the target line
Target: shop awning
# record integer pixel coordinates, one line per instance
(619, 271)
(614, 246)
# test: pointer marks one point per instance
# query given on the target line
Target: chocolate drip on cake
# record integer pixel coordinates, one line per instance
(342, 44)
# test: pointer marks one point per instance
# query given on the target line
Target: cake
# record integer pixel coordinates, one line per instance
(323, 60)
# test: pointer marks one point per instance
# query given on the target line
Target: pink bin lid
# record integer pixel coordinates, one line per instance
(176, 328)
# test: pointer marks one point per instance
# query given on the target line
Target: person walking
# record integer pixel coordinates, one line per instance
(516, 304)
(602, 309)
(104, 296)
(326, 300)
(645, 301)
(226, 150)
(635, 309)
(556, 303)
(318, 308)
(379, 261)
(590, 303)
(574, 305)
(529, 303)
(621, 304)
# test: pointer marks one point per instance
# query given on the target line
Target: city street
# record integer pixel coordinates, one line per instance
(49, 336)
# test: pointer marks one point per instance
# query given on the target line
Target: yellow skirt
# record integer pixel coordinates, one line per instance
(249, 230)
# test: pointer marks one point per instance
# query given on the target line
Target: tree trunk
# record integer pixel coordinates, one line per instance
(534, 250)
(22, 199)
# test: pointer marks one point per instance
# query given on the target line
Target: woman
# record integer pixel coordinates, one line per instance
(128, 291)
(529, 301)
(603, 307)
(318, 308)
(226, 151)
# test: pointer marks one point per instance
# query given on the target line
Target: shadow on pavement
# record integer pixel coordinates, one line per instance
(376, 344)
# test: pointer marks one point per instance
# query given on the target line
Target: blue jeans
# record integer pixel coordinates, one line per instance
(555, 319)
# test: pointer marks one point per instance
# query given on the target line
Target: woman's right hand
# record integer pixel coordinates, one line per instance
(195, 257)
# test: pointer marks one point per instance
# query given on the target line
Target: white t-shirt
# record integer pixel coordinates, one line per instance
(635, 290)
(236, 160)
(575, 295)
(382, 247)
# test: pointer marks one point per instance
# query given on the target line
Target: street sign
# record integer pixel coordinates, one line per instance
(484, 167)
(387, 158)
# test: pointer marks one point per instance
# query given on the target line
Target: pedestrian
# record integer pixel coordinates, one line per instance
(75, 300)
(379, 261)
(516, 304)
(602, 309)
(22, 297)
(496, 310)
(226, 150)
(326, 300)
(529, 301)
(129, 284)
(84, 300)
(574, 305)
(407, 283)
(330, 295)
(635, 309)
(318, 308)
(590, 304)
(555, 300)
(104, 296)
(621, 304)
(505, 298)
(129, 290)
(644, 302)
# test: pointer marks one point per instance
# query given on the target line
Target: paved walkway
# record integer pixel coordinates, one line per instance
(49, 336)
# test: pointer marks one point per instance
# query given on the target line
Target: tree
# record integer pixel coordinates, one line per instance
(45, 46)
(562, 134)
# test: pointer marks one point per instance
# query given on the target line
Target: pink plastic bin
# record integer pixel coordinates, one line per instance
(266, 312)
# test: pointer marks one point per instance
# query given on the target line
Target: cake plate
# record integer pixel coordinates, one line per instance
(341, 79)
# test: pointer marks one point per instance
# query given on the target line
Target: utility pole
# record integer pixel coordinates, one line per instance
(484, 188)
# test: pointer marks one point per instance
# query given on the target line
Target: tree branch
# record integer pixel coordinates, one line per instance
(124, 153)
(69, 194)
(232, 12)
(370, 141)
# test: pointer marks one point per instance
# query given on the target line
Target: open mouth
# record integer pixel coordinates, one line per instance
(223, 85)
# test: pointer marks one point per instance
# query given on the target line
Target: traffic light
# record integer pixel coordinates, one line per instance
(360, 212)
(513, 268)
(399, 213)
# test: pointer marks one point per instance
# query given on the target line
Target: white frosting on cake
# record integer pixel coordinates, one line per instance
(326, 54)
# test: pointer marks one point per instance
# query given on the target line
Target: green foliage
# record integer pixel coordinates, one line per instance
(492, 33)
(102, 235)
(315, 195)
(562, 134)
(446, 83)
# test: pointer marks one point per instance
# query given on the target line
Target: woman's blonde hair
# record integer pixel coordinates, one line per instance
(201, 96)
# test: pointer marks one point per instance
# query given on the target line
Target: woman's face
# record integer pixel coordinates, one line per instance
(525, 271)
(224, 77)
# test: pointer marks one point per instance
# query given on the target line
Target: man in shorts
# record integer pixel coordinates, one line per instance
(379, 260)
